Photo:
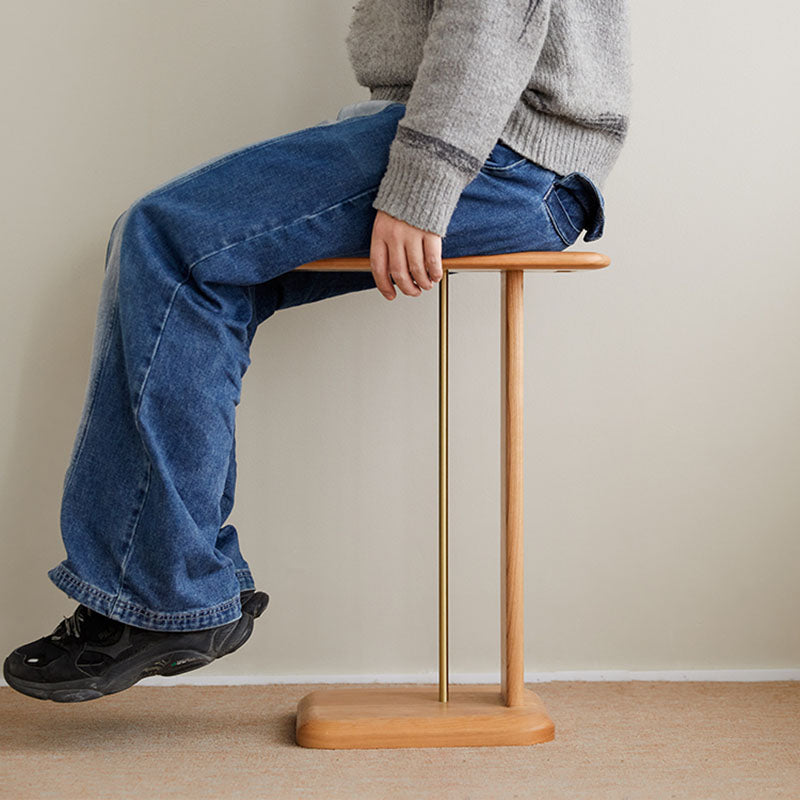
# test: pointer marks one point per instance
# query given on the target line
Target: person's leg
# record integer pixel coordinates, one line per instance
(193, 268)
(144, 495)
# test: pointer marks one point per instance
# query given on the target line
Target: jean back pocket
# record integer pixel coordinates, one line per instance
(574, 203)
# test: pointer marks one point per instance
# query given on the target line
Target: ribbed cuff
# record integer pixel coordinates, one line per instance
(420, 189)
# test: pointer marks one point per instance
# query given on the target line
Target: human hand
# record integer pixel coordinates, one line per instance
(412, 256)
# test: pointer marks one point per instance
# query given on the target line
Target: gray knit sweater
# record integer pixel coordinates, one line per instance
(549, 78)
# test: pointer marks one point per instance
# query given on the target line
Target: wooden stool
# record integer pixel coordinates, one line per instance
(464, 716)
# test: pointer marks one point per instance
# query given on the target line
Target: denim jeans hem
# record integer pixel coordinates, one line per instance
(245, 578)
(139, 617)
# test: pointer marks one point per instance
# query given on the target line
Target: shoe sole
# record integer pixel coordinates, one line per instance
(168, 664)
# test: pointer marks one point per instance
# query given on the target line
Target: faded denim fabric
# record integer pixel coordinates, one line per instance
(192, 269)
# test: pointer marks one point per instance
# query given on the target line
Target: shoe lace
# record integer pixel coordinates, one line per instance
(70, 626)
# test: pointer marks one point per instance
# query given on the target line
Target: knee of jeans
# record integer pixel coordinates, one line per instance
(144, 236)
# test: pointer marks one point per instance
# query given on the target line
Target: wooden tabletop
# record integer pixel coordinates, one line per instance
(539, 260)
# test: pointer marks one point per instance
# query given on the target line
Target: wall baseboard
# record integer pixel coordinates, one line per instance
(712, 675)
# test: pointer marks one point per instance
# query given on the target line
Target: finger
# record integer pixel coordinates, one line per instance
(379, 264)
(398, 268)
(432, 245)
(415, 256)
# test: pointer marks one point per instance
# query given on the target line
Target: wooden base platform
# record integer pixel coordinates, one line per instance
(384, 717)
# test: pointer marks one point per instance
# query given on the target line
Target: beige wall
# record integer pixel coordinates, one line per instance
(662, 395)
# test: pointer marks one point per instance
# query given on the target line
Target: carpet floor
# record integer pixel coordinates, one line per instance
(628, 740)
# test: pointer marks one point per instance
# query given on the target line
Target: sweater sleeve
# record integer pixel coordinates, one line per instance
(477, 59)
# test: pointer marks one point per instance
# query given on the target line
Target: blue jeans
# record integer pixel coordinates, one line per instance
(192, 268)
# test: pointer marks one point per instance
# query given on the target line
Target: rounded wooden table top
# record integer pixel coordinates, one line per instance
(538, 260)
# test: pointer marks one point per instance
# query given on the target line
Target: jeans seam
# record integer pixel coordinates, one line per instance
(566, 214)
(179, 615)
(553, 221)
(280, 227)
(137, 405)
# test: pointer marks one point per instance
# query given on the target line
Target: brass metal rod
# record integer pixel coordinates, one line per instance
(443, 588)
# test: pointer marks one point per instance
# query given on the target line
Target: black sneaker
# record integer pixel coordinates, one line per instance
(89, 655)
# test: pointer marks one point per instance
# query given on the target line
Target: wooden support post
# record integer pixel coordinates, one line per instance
(512, 659)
